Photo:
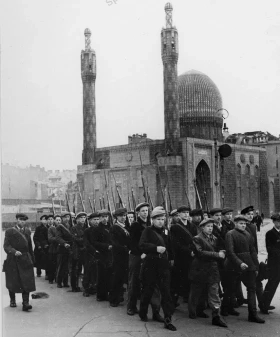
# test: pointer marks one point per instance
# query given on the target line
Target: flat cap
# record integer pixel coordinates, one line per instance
(81, 214)
(21, 216)
(247, 209)
(275, 216)
(174, 212)
(157, 212)
(215, 210)
(227, 210)
(142, 204)
(94, 215)
(44, 216)
(120, 212)
(131, 212)
(63, 214)
(183, 209)
(103, 212)
(57, 216)
(159, 208)
(240, 217)
(197, 211)
(206, 221)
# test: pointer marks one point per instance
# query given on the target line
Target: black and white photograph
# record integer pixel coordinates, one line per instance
(140, 168)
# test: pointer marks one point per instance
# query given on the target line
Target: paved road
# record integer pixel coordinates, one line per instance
(66, 314)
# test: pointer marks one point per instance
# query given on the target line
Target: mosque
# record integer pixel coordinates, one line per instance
(191, 165)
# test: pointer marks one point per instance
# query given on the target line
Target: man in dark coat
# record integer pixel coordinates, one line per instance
(272, 241)
(241, 262)
(41, 244)
(18, 266)
(182, 233)
(64, 241)
(52, 253)
(196, 215)
(258, 220)
(120, 239)
(205, 272)
(227, 223)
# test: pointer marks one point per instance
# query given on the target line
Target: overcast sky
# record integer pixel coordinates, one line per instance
(236, 43)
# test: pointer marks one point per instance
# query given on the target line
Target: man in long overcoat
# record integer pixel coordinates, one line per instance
(41, 244)
(18, 266)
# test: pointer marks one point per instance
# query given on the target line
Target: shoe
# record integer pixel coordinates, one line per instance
(168, 325)
(100, 299)
(233, 312)
(59, 286)
(13, 304)
(255, 319)
(76, 290)
(202, 314)
(192, 315)
(130, 312)
(271, 307)
(50, 282)
(144, 318)
(85, 294)
(218, 322)
(26, 306)
(113, 304)
(264, 311)
(66, 285)
(158, 318)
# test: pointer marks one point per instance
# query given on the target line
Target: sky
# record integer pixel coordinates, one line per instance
(236, 43)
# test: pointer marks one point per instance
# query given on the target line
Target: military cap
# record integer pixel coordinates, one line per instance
(103, 212)
(72, 214)
(227, 210)
(197, 211)
(215, 210)
(240, 217)
(206, 221)
(120, 212)
(94, 215)
(174, 212)
(42, 217)
(81, 214)
(275, 216)
(21, 216)
(142, 204)
(157, 212)
(183, 209)
(247, 210)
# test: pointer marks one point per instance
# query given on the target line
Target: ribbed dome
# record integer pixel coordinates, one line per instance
(199, 102)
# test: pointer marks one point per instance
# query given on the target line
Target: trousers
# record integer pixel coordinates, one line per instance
(62, 269)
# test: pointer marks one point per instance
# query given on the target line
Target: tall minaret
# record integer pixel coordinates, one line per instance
(88, 71)
(170, 53)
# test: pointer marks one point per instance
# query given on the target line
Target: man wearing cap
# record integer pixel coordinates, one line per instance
(64, 240)
(227, 223)
(204, 272)
(120, 247)
(174, 215)
(67, 219)
(272, 241)
(102, 244)
(241, 262)
(104, 218)
(155, 271)
(258, 220)
(130, 217)
(77, 259)
(196, 215)
(41, 244)
(182, 234)
(18, 266)
(52, 253)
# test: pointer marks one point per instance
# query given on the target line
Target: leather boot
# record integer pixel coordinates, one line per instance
(168, 325)
(216, 320)
(253, 317)
(25, 302)
(157, 317)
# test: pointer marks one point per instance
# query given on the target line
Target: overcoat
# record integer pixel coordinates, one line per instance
(19, 269)
(52, 240)
(272, 240)
(41, 244)
(98, 238)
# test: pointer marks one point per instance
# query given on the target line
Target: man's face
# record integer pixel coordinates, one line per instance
(50, 221)
(130, 218)
(104, 219)
(250, 215)
(208, 229)
(217, 216)
(176, 218)
(205, 216)
(159, 221)
(44, 221)
(81, 220)
(121, 218)
(94, 221)
(143, 213)
(196, 218)
(228, 216)
(20, 222)
(277, 224)
(184, 215)
(241, 225)
(66, 218)
(57, 220)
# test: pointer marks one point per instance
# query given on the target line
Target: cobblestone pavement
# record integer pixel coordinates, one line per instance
(66, 314)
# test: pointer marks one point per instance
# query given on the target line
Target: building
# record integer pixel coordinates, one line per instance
(191, 164)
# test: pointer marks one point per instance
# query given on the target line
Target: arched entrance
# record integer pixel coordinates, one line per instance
(203, 183)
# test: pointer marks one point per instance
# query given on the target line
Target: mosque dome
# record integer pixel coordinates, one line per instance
(200, 106)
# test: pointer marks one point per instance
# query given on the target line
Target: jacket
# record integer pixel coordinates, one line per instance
(41, 244)
(136, 230)
(63, 236)
(120, 239)
(272, 241)
(99, 238)
(52, 240)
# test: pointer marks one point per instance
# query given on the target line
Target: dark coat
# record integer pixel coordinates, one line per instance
(251, 228)
(52, 240)
(19, 269)
(240, 249)
(182, 243)
(63, 236)
(41, 244)
(136, 230)
(272, 240)
(99, 239)
(258, 221)
(226, 227)
(121, 244)
(204, 268)
(78, 247)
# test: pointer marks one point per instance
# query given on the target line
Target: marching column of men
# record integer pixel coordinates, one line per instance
(202, 257)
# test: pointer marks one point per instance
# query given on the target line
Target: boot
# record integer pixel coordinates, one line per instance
(233, 312)
(253, 317)
(168, 325)
(218, 322)
(157, 317)
(25, 302)
(12, 299)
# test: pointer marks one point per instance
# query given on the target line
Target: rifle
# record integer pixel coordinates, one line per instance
(188, 200)
(118, 193)
(108, 199)
(129, 204)
(150, 199)
(142, 178)
(113, 197)
(68, 208)
(53, 209)
(133, 199)
(104, 205)
(74, 208)
(204, 191)
(100, 201)
(83, 205)
(196, 191)
(60, 206)
(160, 182)
(90, 203)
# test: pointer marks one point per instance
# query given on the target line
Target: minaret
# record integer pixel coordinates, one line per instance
(88, 72)
(170, 53)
